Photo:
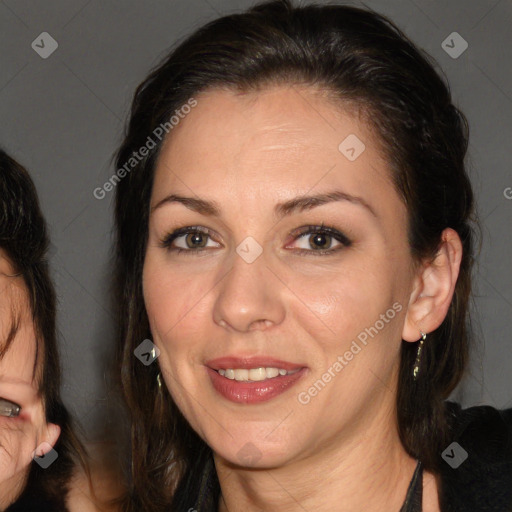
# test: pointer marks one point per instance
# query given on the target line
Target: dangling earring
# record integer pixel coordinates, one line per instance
(417, 362)
(159, 392)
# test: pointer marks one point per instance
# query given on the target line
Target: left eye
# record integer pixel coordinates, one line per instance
(9, 409)
(316, 238)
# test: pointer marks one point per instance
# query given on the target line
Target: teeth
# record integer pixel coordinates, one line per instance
(257, 374)
(254, 374)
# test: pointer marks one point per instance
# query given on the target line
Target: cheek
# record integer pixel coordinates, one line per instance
(17, 442)
(177, 307)
(338, 304)
(176, 302)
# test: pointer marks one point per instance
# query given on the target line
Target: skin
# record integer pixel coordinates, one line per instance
(249, 152)
(105, 485)
(29, 433)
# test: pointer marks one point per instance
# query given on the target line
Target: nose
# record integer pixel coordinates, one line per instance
(249, 297)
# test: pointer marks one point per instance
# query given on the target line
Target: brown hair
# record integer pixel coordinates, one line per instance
(362, 59)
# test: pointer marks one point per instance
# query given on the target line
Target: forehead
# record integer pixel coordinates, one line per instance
(17, 362)
(6, 266)
(273, 144)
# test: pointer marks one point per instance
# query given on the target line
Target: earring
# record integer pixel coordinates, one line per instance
(159, 405)
(417, 362)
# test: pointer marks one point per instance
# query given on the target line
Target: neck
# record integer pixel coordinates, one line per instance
(369, 471)
(11, 488)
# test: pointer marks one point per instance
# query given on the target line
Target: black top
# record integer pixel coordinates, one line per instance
(30, 503)
(480, 481)
(414, 496)
(483, 482)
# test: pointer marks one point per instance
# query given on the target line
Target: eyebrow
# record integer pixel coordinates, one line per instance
(297, 204)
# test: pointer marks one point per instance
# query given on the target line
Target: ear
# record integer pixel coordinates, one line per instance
(50, 436)
(51, 433)
(433, 288)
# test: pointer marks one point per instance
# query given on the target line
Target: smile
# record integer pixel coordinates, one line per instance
(238, 386)
(254, 374)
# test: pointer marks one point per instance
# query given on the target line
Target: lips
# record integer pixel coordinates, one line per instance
(252, 392)
(223, 363)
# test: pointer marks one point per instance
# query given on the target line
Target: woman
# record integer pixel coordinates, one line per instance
(293, 269)
(41, 459)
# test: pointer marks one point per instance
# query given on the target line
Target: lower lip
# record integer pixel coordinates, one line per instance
(253, 392)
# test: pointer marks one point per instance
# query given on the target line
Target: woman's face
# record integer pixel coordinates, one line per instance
(23, 429)
(260, 293)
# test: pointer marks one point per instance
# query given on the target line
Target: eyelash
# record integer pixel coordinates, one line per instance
(166, 242)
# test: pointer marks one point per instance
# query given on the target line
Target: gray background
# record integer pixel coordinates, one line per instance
(62, 117)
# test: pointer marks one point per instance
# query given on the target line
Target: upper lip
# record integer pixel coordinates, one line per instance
(234, 362)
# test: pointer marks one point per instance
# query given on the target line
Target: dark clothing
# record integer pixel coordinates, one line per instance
(44, 494)
(483, 482)
(414, 497)
(28, 503)
(480, 483)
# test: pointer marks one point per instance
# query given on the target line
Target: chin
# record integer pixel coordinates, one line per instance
(248, 452)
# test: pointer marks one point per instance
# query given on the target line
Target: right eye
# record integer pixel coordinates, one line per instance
(9, 409)
(184, 233)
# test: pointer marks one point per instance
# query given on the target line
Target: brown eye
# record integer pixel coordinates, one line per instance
(318, 240)
(9, 409)
(195, 239)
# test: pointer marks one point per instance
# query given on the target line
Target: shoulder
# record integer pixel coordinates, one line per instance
(476, 470)
(482, 423)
